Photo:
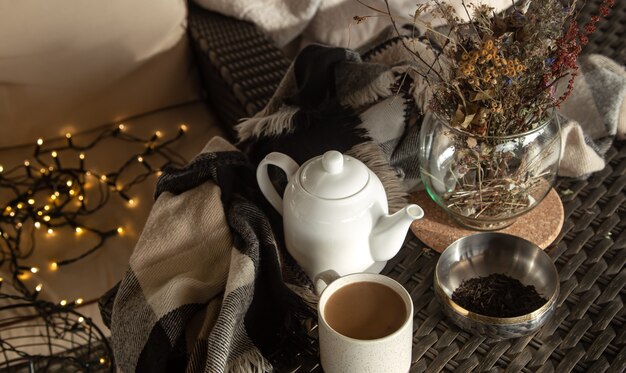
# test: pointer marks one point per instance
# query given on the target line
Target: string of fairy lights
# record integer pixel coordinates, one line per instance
(52, 192)
(72, 341)
(55, 190)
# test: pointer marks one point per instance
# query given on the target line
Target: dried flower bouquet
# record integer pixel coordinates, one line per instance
(497, 80)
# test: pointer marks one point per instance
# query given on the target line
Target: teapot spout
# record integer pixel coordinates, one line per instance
(390, 230)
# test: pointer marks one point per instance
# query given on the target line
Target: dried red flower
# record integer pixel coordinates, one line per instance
(604, 10)
(590, 28)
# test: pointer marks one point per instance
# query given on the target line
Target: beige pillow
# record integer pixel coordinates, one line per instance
(68, 65)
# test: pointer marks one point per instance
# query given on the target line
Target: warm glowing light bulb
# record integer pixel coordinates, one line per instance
(68, 135)
(121, 127)
(57, 193)
(37, 224)
(140, 159)
(46, 218)
(79, 230)
(80, 198)
(183, 127)
(81, 319)
(39, 142)
(26, 163)
(79, 301)
(18, 225)
(38, 287)
(72, 192)
(54, 154)
(131, 202)
(54, 266)
(12, 213)
(158, 134)
(69, 183)
(103, 177)
(53, 197)
(159, 173)
(50, 168)
(20, 205)
(120, 230)
(34, 269)
(24, 276)
(102, 360)
(42, 170)
(39, 213)
(1, 168)
(31, 201)
(63, 302)
(46, 207)
(50, 231)
(81, 156)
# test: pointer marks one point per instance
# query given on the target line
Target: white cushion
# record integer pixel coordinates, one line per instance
(73, 64)
(334, 22)
(282, 20)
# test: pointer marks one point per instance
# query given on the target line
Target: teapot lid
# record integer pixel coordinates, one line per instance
(334, 176)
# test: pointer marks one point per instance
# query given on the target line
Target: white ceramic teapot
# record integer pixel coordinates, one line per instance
(335, 214)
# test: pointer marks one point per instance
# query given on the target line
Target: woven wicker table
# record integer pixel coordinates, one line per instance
(588, 331)
(241, 69)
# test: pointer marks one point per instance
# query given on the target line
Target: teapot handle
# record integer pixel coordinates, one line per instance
(288, 165)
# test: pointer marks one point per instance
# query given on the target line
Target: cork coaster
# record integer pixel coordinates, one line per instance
(438, 230)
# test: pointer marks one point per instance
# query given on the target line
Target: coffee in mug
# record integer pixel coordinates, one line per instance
(365, 324)
(365, 310)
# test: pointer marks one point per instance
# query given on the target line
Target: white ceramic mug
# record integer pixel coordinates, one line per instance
(339, 353)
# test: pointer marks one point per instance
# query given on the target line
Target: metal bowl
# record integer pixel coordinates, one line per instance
(483, 254)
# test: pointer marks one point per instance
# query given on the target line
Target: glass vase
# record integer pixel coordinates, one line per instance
(486, 182)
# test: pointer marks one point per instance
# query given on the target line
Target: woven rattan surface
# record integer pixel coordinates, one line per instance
(588, 331)
(240, 66)
(610, 36)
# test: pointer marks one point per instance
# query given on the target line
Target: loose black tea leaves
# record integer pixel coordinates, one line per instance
(497, 295)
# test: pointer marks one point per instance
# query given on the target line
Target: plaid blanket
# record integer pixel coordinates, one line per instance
(210, 287)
